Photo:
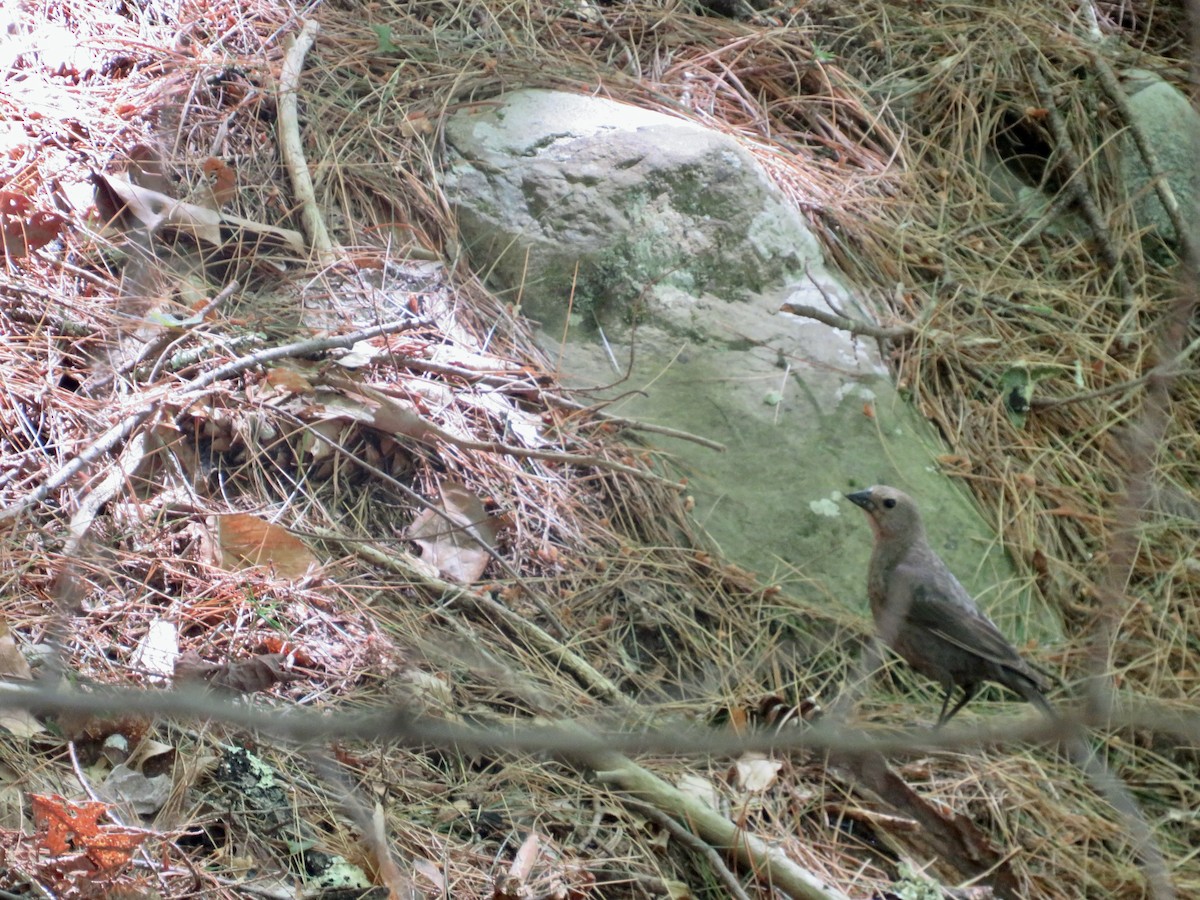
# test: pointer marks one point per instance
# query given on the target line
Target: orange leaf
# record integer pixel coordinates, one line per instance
(247, 541)
(276, 644)
(70, 827)
(23, 228)
(113, 848)
(65, 821)
(224, 179)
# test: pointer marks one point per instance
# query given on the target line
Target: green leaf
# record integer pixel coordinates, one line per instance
(1016, 389)
(383, 34)
(169, 321)
(822, 55)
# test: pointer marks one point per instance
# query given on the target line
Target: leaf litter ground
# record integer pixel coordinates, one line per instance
(421, 520)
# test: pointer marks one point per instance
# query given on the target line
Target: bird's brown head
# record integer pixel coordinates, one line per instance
(892, 513)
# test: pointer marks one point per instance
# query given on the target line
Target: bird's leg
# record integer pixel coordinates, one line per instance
(945, 702)
(968, 692)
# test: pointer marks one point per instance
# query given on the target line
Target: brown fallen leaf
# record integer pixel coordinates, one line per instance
(244, 676)
(24, 228)
(247, 541)
(189, 667)
(458, 548)
(19, 722)
(287, 380)
(223, 179)
(117, 196)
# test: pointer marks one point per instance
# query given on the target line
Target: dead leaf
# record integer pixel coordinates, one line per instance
(153, 755)
(700, 789)
(394, 417)
(139, 792)
(359, 355)
(288, 380)
(527, 427)
(677, 890)
(525, 857)
(147, 168)
(223, 179)
(756, 773)
(62, 820)
(156, 653)
(247, 541)
(458, 547)
(416, 125)
(12, 661)
(376, 410)
(153, 211)
(389, 871)
(275, 644)
(190, 667)
(23, 227)
(117, 195)
(71, 827)
(18, 722)
(245, 676)
(113, 847)
(430, 871)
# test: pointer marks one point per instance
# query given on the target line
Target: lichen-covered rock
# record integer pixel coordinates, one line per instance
(586, 203)
(657, 254)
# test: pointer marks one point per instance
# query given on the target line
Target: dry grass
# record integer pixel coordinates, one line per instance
(874, 118)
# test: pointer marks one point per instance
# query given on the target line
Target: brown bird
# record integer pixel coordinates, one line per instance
(924, 614)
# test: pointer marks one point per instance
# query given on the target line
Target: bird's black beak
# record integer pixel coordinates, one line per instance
(863, 499)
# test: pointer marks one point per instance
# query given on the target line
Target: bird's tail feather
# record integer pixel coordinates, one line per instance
(1032, 692)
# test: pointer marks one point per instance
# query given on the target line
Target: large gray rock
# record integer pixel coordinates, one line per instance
(1172, 128)
(582, 202)
(689, 335)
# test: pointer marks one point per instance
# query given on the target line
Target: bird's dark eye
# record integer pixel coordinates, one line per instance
(890, 502)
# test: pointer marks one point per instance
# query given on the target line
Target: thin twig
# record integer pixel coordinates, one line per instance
(692, 842)
(405, 726)
(297, 349)
(123, 429)
(853, 326)
(457, 595)
(571, 459)
(1158, 178)
(1168, 369)
(523, 382)
(1076, 182)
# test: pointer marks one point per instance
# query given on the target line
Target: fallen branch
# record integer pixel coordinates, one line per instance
(432, 430)
(769, 864)
(457, 595)
(847, 324)
(1169, 369)
(292, 148)
(1076, 185)
(692, 842)
(410, 729)
(193, 389)
(535, 383)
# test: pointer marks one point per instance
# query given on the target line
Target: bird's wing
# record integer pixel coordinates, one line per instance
(962, 626)
(932, 599)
